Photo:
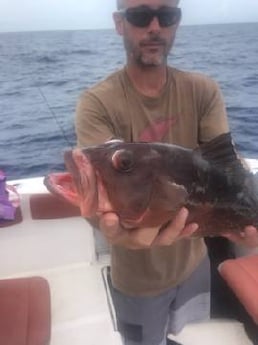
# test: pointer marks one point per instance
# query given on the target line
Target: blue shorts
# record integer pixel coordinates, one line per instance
(148, 320)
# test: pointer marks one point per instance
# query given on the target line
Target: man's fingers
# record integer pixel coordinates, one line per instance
(189, 230)
(133, 239)
(116, 235)
(146, 237)
(176, 229)
(143, 237)
(109, 225)
(248, 237)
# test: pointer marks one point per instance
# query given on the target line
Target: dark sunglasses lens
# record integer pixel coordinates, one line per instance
(143, 17)
(169, 17)
(139, 18)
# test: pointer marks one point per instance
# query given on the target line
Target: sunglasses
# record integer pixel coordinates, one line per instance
(142, 16)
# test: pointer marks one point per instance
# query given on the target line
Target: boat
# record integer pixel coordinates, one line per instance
(57, 245)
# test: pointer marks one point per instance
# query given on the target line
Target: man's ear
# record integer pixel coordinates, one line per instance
(119, 23)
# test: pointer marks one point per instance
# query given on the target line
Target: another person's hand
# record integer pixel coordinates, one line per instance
(143, 238)
(247, 238)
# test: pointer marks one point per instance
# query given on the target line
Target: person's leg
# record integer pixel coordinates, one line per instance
(142, 320)
(147, 320)
(172, 342)
(192, 302)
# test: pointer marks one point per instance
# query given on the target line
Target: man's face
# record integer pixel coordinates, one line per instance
(148, 45)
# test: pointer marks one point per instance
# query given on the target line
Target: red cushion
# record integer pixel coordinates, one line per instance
(24, 311)
(242, 276)
(49, 206)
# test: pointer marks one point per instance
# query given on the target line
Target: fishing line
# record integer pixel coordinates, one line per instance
(55, 117)
(52, 113)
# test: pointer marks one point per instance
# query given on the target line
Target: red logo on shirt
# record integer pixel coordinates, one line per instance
(157, 130)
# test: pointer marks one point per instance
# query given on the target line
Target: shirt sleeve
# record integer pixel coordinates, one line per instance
(92, 123)
(213, 121)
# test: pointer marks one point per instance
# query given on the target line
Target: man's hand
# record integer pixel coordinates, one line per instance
(247, 238)
(143, 238)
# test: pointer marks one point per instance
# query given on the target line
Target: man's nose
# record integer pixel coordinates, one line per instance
(154, 25)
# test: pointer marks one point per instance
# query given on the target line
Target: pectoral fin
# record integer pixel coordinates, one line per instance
(169, 196)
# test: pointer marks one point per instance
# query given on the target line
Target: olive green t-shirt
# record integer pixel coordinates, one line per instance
(189, 110)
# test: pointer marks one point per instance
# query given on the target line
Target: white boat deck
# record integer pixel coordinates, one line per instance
(64, 252)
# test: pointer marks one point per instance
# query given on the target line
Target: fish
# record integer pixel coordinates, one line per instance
(146, 184)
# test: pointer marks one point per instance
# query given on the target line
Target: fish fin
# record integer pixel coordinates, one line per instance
(168, 195)
(252, 185)
(221, 153)
(219, 150)
(232, 174)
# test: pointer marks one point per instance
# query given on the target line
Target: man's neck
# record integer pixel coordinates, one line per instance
(149, 81)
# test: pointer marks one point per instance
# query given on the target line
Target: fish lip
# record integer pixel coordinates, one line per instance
(55, 183)
(84, 179)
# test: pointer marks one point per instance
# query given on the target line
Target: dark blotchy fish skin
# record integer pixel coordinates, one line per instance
(147, 183)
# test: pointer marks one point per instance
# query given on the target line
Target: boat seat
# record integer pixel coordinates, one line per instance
(241, 275)
(24, 311)
(48, 206)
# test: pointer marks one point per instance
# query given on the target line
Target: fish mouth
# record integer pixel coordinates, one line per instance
(83, 183)
(61, 184)
(86, 187)
(78, 185)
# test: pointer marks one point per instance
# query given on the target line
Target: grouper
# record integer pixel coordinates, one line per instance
(146, 184)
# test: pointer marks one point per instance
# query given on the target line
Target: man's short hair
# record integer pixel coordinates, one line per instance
(120, 4)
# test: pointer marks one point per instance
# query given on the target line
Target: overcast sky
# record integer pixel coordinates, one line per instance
(20, 15)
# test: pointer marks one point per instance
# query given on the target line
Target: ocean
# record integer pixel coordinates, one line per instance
(43, 73)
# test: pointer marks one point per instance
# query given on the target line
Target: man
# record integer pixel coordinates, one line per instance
(160, 276)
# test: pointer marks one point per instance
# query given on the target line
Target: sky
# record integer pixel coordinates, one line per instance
(34, 15)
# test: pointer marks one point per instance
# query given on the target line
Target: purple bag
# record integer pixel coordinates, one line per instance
(7, 209)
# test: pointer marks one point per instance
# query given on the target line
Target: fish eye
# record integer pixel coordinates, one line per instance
(123, 160)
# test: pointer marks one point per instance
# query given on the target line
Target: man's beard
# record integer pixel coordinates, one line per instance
(151, 61)
(148, 59)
